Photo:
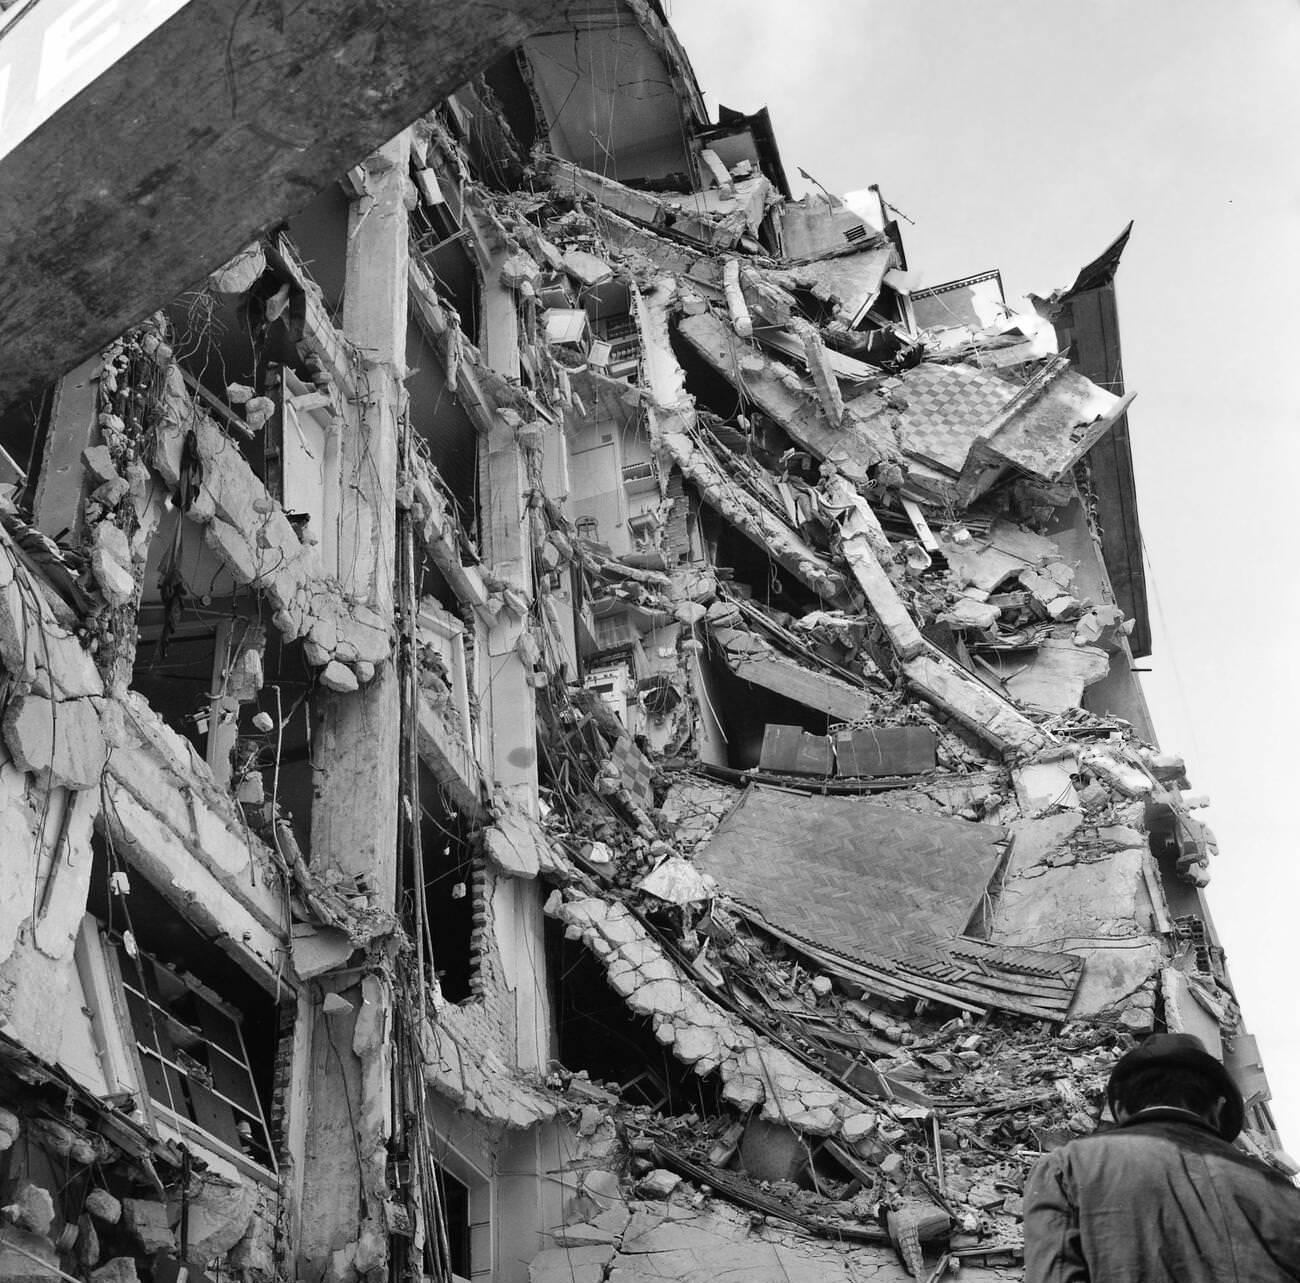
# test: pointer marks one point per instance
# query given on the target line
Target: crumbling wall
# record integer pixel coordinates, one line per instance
(754, 1073)
(248, 530)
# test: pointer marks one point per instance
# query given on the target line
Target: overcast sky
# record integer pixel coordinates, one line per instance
(1023, 135)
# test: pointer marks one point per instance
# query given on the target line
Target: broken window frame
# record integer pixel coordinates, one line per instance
(121, 1051)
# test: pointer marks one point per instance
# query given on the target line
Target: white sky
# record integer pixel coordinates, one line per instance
(1024, 134)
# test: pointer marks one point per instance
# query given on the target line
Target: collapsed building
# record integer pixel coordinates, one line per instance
(560, 722)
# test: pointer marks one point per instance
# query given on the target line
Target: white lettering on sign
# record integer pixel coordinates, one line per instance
(74, 41)
(55, 48)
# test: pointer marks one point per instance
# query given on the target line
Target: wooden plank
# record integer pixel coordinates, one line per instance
(130, 192)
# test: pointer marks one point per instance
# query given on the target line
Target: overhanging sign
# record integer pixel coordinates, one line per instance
(52, 49)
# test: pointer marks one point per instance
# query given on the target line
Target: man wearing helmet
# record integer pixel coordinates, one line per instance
(1163, 1196)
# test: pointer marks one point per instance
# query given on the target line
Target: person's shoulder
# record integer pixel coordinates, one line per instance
(1062, 1155)
(1201, 1140)
(1107, 1138)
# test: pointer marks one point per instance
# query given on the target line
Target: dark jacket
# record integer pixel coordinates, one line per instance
(1161, 1199)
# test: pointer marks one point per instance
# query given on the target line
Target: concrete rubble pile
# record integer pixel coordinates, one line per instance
(561, 720)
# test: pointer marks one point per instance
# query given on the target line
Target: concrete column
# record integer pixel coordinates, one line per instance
(356, 755)
(57, 505)
(354, 811)
(507, 696)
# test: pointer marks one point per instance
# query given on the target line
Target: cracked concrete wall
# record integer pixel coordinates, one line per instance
(44, 877)
(56, 694)
(1080, 887)
(468, 1047)
(71, 754)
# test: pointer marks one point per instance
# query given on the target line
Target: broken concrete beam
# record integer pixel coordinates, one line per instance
(773, 305)
(994, 719)
(717, 170)
(251, 534)
(683, 261)
(706, 227)
(1128, 778)
(188, 838)
(436, 530)
(317, 950)
(1047, 784)
(660, 368)
(884, 750)
(752, 659)
(823, 375)
(564, 176)
(887, 606)
(60, 744)
(737, 308)
(1056, 675)
(748, 516)
(986, 563)
(859, 443)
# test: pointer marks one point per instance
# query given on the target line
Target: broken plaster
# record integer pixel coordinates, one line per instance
(251, 534)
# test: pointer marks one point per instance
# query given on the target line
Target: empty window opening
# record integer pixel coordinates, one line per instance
(447, 436)
(439, 241)
(453, 890)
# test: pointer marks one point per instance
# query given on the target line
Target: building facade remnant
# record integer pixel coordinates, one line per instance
(556, 722)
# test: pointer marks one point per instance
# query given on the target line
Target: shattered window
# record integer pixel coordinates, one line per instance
(192, 1054)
